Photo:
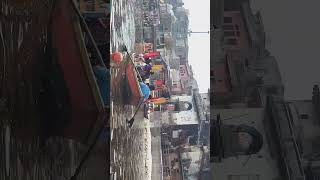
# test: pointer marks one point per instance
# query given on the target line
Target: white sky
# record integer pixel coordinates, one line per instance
(199, 44)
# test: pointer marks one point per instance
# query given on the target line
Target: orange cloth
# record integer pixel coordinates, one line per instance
(158, 100)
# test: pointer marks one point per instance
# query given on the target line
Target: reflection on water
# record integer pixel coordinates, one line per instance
(128, 153)
(56, 160)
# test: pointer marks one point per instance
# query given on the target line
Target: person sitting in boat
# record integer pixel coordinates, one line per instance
(102, 75)
(147, 67)
(148, 60)
(145, 71)
(146, 90)
(166, 94)
(140, 60)
(147, 75)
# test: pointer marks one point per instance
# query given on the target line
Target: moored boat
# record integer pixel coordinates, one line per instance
(132, 93)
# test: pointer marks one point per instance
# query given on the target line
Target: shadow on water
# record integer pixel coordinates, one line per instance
(55, 160)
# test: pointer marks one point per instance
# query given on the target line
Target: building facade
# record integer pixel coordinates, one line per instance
(243, 141)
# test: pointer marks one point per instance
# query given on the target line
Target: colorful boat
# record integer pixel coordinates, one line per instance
(133, 93)
(87, 110)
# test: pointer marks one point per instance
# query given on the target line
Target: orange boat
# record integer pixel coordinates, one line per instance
(87, 110)
(133, 94)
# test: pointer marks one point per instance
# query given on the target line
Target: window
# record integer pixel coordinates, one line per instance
(227, 27)
(227, 19)
(232, 41)
(304, 116)
(228, 33)
(243, 177)
(238, 33)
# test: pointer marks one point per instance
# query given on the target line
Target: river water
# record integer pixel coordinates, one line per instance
(130, 147)
(55, 160)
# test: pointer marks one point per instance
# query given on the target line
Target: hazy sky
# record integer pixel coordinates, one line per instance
(199, 44)
(293, 27)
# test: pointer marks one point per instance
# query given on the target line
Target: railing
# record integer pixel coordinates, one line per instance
(290, 164)
(274, 116)
(293, 138)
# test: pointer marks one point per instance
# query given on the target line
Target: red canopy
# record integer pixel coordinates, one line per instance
(151, 54)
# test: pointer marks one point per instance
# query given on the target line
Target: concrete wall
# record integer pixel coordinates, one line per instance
(185, 117)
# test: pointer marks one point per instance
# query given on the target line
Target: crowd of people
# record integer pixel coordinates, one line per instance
(145, 71)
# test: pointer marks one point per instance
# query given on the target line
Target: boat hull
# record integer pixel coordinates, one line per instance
(86, 103)
(134, 95)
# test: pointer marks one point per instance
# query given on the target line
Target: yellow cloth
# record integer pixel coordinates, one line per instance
(157, 68)
(159, 100)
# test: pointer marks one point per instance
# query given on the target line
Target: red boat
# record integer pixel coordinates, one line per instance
(87, 110)
(127, 81)
(134, 95)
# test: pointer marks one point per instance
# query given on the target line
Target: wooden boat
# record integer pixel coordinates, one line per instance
(87, 110)
(133, 95)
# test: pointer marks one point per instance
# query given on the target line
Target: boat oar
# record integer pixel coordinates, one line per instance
(85, 157)
(130, 122)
